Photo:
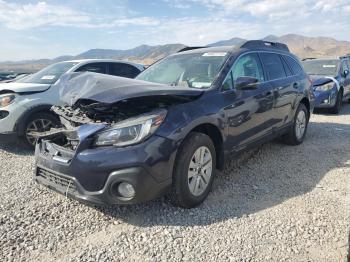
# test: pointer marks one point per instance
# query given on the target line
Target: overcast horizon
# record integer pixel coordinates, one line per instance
(47, 29)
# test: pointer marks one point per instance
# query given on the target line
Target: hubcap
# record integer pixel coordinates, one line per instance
(300, 125)
(37, 125)
(200, 171)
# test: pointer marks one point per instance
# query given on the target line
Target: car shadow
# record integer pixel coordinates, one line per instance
(254, 181)
(15, 147)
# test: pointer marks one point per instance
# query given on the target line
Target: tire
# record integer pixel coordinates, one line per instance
(338, 104)
(293, 137)
(43, 121)
(184, 191)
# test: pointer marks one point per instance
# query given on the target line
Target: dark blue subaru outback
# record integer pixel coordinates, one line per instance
(125, 141)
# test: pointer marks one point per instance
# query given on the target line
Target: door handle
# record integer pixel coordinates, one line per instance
(296, 85)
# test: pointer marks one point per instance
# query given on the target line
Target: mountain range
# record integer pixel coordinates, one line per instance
(300, 45)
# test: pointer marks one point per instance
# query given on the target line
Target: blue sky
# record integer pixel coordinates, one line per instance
(46, 29)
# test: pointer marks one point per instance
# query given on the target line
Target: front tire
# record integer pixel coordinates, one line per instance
(338, 103)
(39, 122)
(193, 171)
(297, 132)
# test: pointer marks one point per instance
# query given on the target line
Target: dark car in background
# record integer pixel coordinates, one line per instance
(331, 81)
(126, 141)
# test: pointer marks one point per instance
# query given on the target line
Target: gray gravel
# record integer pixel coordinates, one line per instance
(273, 203)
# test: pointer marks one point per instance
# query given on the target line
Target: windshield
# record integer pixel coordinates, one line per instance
(48, 75)
(196, 70)
(321, 67)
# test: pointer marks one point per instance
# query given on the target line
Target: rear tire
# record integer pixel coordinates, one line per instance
(39, 122)
(193, 171)
(338, 103)
(297, 132)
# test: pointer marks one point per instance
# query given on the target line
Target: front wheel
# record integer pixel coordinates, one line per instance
(297, 132)
(338, 103)
(39, 122)
(194, 171)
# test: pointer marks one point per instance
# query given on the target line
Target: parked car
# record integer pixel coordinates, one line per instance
(331, 81)
(25, 104)
(168, 130)
(14, 78)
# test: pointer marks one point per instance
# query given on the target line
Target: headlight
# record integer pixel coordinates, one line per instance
(131, 131)
(6, 100)
(325, 87)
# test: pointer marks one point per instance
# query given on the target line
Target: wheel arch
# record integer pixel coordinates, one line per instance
(20, 124)
(215, 135)
(305, 101)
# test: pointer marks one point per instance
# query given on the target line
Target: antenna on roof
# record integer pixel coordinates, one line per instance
(264, 44)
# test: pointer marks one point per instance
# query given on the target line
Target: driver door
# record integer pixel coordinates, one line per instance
(249, 113)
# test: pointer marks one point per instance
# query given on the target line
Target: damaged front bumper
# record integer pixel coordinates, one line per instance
(325, 99)
(93, 174)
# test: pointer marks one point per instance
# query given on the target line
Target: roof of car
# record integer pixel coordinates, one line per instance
(103, 60)
(259, 45)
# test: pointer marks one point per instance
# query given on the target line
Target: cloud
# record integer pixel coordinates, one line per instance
(25, 16)
(16, 16)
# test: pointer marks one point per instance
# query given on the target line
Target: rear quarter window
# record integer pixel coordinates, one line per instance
(123, 70)
(294, 65)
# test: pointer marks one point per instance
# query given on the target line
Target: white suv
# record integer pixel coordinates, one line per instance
(25, 104)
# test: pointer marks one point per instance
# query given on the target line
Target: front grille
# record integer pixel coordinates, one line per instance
(59, 181)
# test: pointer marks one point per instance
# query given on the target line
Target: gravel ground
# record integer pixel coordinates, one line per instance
(273, 203)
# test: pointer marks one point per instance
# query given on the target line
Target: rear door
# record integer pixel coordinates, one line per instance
(284, 85)
(249, 112)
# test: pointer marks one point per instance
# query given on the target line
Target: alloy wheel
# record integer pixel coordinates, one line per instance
(300, 125)
(37, 125)
(200, 171)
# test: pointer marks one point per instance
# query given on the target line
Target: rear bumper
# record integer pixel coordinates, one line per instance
(92, 175)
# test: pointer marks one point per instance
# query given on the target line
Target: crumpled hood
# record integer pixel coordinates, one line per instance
(319, 80)
(111, 89)
(23, 87)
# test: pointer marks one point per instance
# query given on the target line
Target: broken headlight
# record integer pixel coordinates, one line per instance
(131, 131)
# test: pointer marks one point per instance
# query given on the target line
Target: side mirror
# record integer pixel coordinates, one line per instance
(345, 73)
(246, 83)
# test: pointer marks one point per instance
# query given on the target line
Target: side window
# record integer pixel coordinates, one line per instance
(273, 65)
(93, 67)
(228, 84)
(294, 65)
(123, 70)
(248, 65)
(286, 67)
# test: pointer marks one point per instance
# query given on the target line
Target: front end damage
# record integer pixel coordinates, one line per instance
(107, 150)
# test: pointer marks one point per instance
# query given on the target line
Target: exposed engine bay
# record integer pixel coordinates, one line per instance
(91, 112)
(85, 111)
(95, 102)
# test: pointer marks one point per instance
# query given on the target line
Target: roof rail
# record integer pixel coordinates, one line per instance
(264, 44)
(187, 48)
